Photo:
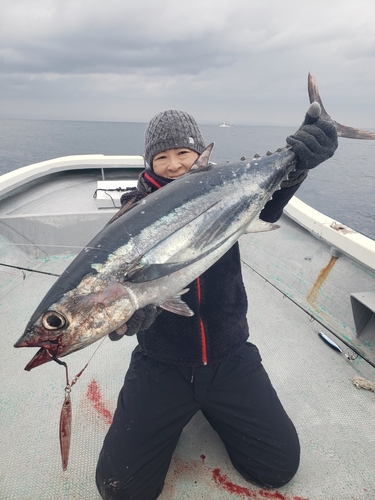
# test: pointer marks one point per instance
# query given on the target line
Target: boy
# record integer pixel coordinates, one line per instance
(203, 362)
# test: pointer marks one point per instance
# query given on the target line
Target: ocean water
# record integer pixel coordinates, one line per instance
(342, 188)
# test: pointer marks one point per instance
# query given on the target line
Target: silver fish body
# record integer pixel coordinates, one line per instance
(151, 253)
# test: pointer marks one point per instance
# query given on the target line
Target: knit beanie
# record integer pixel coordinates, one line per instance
(172, 129)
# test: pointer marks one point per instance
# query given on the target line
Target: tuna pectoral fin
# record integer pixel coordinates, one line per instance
(259, 226)
(149, 272)
(177, 305)
(154, 271)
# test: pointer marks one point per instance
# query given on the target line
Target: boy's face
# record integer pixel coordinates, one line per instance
(174, 162)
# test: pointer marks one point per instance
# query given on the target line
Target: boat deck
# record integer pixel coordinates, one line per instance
(334, 419)
(41, 229)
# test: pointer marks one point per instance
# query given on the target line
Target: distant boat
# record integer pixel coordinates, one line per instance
(224, 125)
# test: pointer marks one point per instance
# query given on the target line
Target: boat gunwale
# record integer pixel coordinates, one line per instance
(342, 239)
(10, 181)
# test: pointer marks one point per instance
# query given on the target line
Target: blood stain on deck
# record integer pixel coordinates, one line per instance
(197, 471)
(223, 481)
(94, 395)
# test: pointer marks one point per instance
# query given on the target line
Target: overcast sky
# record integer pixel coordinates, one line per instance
(240, 61)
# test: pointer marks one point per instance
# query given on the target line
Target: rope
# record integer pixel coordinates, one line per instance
(312, 317)
(362, 383)
(27, 269)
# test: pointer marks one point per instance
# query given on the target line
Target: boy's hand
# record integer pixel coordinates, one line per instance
(313, 143)
(141, 320)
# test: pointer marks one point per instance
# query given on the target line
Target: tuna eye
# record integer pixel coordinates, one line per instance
(53, 320)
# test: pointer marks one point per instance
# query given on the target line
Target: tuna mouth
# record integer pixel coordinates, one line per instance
(42, 356)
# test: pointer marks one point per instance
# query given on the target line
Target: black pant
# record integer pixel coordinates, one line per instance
(158, 400)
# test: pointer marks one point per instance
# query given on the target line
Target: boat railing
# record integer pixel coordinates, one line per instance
(21, 176)
(341, 238)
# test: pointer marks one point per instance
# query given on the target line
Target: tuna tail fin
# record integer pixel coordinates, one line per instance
(342, 130)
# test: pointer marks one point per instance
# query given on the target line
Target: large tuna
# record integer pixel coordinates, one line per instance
(151, 253)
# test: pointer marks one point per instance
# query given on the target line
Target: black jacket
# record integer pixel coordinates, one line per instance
(218, 298)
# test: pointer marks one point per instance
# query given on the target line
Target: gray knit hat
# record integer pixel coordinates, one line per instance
(172, 129)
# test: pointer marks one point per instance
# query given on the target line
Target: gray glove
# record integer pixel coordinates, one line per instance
(314, 142)
(141, 320)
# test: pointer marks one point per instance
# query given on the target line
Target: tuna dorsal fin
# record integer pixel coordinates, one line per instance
(259, 226)
(177, 306)
(203, 160)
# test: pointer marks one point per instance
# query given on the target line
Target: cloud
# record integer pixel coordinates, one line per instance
(245, 62)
